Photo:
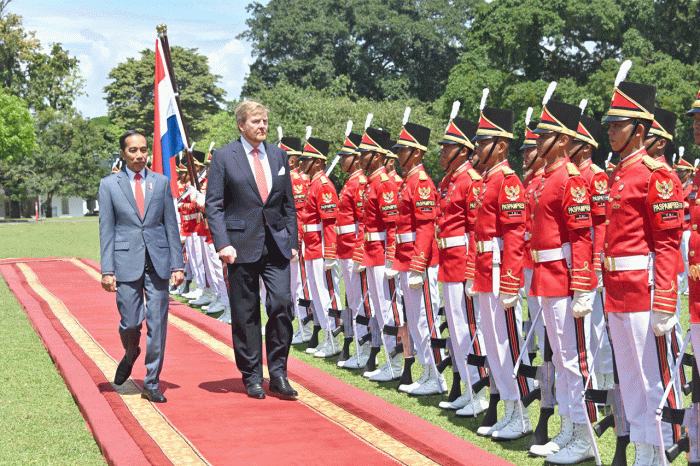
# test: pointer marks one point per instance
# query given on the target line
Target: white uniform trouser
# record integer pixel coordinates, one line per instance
(461, 331)
(357, 295)
(188, 264)
(296, 287)
(639, 369)
(383, 309)
(503, 340)
(683, 276)
(321, 291)
(533, 307)
(571, 356)
(599, 337)
(422, 314)
(215, 271)
(695, 340)
(193, 248)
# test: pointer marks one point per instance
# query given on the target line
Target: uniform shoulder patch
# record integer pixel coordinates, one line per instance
(572, 169)
(324, 180)
(295, 175)
(383, 177)
(651, 163)
(596, 169)
(507, 171)
(422, 176)
(363, 179)
(474, 175)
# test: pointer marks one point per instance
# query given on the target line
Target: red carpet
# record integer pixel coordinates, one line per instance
(208, 419)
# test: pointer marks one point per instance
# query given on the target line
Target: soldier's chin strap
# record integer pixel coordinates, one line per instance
(580, 148)
(534, 159)
(656, 139)
(629, 138)
(550, 146)
(413, 149)
(459, 150)
(493, 146)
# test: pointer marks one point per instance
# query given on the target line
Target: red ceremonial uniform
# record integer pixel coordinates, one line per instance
(300, 187)
(188, 212)
(398, 181)
(320, 214)
(645, 215)
(597, 181)
(472, 202)
(694, 252)
(531, 183)
(687, 191)
(416, 247)
(500, 213)
(380, 212)
(452, 222)
(561, 215)
(349, 228)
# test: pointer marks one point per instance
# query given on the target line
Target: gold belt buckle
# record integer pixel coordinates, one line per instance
(535, 255)
(441, 243)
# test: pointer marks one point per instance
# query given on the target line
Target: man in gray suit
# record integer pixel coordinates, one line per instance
(140, 250)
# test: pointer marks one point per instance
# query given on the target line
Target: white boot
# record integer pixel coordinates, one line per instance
(433, 386)
(392, 370)
(300, 337)
(605, 381)
(330, 348)
(643, 454)
(474, 407)
(459, 403)
(518, 426)
(579, 449)
(193, 294)
(226, 316)
(207, 297)
(558, 442)
(213, 308)
(358, 360)
(486, 431)
(656, 458)
(427, 369)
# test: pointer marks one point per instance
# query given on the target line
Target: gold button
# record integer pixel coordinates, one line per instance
(695, 227)
(617, 178)
(607, 222)
(532, 215)
(606, 245)
(692, 253)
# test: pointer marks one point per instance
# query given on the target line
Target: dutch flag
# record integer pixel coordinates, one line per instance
(168, 131)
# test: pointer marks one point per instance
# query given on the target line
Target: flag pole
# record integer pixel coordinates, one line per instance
(163, 37)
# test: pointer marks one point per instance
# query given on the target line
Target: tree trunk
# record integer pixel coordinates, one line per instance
(49, 199)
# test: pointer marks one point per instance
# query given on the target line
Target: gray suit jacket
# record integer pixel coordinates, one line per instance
(124, 236)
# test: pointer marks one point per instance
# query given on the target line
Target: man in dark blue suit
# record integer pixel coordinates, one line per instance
(253, 222)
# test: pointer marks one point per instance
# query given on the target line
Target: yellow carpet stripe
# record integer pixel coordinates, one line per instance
(173, 444)
(354, 424)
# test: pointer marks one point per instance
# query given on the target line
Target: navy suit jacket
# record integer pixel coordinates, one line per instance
(235, 210)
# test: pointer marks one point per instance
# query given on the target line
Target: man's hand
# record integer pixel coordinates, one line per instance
(177, 277)
(469, 289)
(415, 280)
(662, 322)
(581, 304)
(200, 199)
(389, 272)
(357, 267)
(508, 300)
(109, 283)
(228, 254)
(330, 263)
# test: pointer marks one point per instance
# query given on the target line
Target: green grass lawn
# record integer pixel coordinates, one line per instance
(32, 434)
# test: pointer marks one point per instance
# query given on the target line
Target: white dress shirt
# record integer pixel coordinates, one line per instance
(262, 155)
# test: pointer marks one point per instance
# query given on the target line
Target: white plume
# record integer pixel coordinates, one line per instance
(279, 132)
(609, 158)
(697, 161)
(368, 121)
(550, 90)
(622, 74)
(681, 152)
(211, 146)
(484, 95)
(308, 132)
(406, 114)
(528, 116)
(192, 146)
(675, 158)
(348, 128)
(583, 105)
(455, 109)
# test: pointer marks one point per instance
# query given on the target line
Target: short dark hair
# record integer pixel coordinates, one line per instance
(131, 132)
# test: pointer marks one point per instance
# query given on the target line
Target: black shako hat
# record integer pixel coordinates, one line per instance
(315, 148)
(351, 144)
(664, 124)
(530, 137)
(374, 140)
(559, 117)
(460, 131)
(415, 136)
(291, 145)
(494, 122)
(696, 106)
(631, 100)
(589, 131)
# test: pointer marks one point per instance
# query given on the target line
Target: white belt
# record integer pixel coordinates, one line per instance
(189, 217)
(444, 243)
(488, 246)
(312, 227)
(375, 236)
(625, 263)
(406, 237)
(527, 236)
(494, 245)
(341, 230)
(550, 255)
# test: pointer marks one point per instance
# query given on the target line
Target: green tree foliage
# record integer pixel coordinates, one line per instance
(130, 98)
(387, 49)
(17, 136)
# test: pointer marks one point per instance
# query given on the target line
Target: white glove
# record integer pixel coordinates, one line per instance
(469, 289)
(662, 322)
(508, 300)
(389, 273)
(200, 199)
(581, 304)
(599, 276)
(330, 263)
(357, 267)
(415, 280)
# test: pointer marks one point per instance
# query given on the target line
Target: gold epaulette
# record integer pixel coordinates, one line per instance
(324, 180)
(474, 175)
(383, 177)
(507, 171)
(422, 176)
(596, 169)
(572, 169)
(295, 175)
(363, 179)
(651, 163)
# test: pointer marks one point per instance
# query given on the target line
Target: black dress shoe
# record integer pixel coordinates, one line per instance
(124, 369)
(281, 385)
(256, 390)
(153, 395)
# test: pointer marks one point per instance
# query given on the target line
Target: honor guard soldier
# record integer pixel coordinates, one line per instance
(299, 286)
(187, 211)
(685, 171)
(391, 163)
(640, 261)
(320, 256)
(499, 240)
(453, 239)
(350, 231)
(417, 255)
(563, 278)
(377, 253)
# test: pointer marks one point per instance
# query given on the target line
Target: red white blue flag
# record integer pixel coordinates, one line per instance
(168, 131)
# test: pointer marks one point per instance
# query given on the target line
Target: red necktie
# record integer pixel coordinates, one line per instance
(140, 201)
(260, 175)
